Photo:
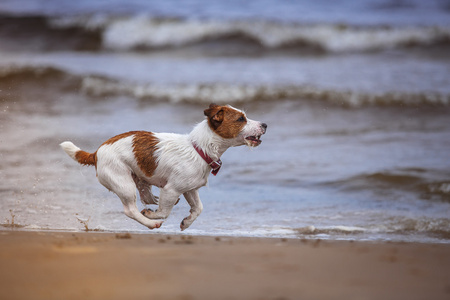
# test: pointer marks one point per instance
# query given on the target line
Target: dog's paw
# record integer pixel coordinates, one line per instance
(157, 225)
(147, 212)
(185, 223)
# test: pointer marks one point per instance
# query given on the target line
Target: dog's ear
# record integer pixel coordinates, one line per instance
(214, 114)
(210, 109)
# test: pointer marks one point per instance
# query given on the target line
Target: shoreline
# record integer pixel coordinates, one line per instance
(300, 238)
(7, 227)
(100, 265)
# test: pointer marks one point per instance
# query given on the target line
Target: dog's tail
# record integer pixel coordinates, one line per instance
(79, 155)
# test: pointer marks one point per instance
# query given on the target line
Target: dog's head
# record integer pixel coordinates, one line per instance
(231, 123)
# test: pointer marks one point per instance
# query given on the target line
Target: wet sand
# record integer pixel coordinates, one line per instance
(65, 265)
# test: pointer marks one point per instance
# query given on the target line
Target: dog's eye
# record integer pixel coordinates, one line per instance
(241, 119)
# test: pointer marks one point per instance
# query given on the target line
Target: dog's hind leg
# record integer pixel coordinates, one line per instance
(193, 198)
(119, 180)
(167, 199)
(145, 191)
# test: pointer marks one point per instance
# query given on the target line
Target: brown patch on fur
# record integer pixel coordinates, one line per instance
(119, 137)
(86, 158)
(144, 146)
(225, 121)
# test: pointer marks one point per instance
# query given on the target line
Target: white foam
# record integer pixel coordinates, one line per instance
(33, 227)
(403, 225)
(141, 31)
(124, 33)
(330, 230)
(127, 34)
(349, 229)
(233, 93)
(336, 39)
(440, 188)
(89, 22)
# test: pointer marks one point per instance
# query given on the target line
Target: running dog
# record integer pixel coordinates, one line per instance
(177, 164)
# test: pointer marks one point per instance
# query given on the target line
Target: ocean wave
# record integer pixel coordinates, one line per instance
(127, 33)
(205, 93)
(42, 76)
(437, 190)
(36, 33)
(405, 224)
(440, 188)
(237, 93)
(432, 227)
(147, 33)
(37, 73)
(330, 230)
(143, 32)
(383, 180)
(427, 184)
(439, 227)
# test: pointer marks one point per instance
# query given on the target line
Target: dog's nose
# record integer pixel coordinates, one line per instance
(264, 125)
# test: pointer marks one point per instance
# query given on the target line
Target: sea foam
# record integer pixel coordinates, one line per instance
(235, 93)
(127, 33)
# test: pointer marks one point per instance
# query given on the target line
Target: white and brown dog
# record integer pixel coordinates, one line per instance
(177, 164)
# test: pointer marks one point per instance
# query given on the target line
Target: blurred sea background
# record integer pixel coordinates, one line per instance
(356, 95)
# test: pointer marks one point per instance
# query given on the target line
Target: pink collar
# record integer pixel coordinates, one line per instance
(215, 165)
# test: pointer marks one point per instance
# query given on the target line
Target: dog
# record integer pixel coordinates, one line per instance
(177, 164)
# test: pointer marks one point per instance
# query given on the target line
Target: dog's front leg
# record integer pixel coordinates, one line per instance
(167, 199)
(193, 198)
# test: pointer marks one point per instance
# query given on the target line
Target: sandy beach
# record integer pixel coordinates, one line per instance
(65, 265)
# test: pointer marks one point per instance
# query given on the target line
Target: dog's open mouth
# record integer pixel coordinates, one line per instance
(253, 140)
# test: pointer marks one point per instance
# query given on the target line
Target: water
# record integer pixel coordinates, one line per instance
(356, 96)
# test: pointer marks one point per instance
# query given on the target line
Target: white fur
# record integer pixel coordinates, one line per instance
(70, 149)
(180, 170)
